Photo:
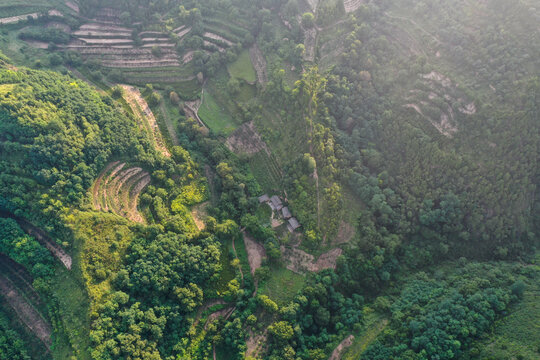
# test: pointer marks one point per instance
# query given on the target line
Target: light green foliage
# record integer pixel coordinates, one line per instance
(215, 116)
(242, 68)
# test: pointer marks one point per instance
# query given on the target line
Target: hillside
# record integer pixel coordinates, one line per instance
(270, 179)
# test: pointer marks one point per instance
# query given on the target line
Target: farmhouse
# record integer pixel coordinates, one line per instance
(293, 224)
(282, 211)
(275, 203)
(286, 213)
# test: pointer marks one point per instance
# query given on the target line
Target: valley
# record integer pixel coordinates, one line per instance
(326, 179)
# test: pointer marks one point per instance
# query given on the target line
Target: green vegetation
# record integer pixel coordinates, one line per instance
(402, 135)
(11, 344)
(282, 286)
(242, 68)
(215, 116)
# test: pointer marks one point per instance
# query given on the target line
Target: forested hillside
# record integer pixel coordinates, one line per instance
(270, 179)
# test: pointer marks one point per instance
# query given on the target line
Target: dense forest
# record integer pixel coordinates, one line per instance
(271, 179)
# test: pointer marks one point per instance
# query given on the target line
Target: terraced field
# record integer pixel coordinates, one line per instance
(117, 190)
(17, 292)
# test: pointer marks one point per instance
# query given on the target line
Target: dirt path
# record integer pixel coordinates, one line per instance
(316, 177)
(26, 313)
(369, 335)
(141, 109)
(259, 63)
(336, 354)
(191, 108)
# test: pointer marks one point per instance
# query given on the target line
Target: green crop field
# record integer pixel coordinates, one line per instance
(282, 285)
(215, 116)
(242, 68)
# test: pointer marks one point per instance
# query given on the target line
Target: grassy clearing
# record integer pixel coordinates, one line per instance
(215, 116)
(374, 324)
(73, 306)
(517, 336)
(227, 271)
(263, 213)
(282, 285)
(242, 254)
(242, 68)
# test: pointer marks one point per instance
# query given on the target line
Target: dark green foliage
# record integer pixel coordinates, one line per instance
(60, 134)
(439, 318)
(313, 318)
(24, 249)
(11, 345)
(49, 35)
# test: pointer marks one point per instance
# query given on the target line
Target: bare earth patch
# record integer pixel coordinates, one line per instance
(300, 261)
(117, 189)
(255, 343)
(345, 233)
(310, 40)
(142, 110)
(26, 313)
(259, 63)
(336, 354)
(246, 140)
(72, 6)
(255, 251)
(352, 5)
(199, 214)
(37, 44)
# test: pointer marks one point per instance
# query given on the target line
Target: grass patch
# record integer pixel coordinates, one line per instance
(374, 324)
(263, 213)
(282, 285)
(227, 271)
(73, 306)
(215, 116)
(242, 68)
(517, 336)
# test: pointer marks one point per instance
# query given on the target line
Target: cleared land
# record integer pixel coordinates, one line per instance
(144, 114)
(215, 116)
(282, 286)
(242, 68)
(117, 189)
(259, 63)
(300, 261)
(246, 140)
(256, 253)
